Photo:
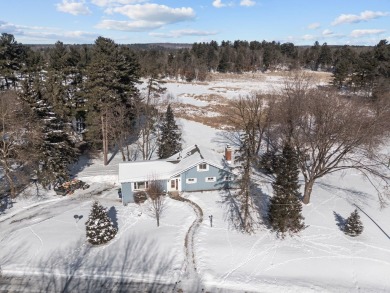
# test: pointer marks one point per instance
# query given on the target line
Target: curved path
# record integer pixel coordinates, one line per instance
(190, 268)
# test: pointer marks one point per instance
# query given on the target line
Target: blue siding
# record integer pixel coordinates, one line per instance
(201, 176)
(127, 193)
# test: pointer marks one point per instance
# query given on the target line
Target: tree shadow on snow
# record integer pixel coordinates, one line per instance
(231, 209)
(112, 213)
(261, 203)
(353, 197)
(85, 160)
(134, 264)
(340, 221)
(5, 203)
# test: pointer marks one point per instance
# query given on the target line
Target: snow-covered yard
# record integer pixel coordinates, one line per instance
(49, 239)
(321, 259)
(45, 238)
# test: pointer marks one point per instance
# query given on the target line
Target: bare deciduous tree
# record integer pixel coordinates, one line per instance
(330, 133)
(149, 118)
(156, 196)
(18, 134)
(251, 115)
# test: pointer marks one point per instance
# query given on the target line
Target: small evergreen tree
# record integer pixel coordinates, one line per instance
(169, 142)
(285, 207)
(99, 226)
(353, 226)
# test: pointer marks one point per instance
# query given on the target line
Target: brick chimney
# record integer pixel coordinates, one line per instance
(228, 154)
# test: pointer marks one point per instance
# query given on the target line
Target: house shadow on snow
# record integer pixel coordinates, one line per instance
(133, 266)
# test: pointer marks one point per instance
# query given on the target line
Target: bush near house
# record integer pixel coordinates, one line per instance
(140, 197)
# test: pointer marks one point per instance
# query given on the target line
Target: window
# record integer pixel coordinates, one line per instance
(210, 179)
(228, 178)
(191, 180)
(203, 167)
(142, 185)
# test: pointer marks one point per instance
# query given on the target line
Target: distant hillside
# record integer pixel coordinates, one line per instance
(161, 45)
(148, 46)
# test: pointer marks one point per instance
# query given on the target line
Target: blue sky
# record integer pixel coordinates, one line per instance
(354, 22)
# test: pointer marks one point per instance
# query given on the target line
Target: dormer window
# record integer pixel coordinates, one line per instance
(203, 167)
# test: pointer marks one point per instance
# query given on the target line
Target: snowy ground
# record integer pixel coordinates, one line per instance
(44, 238)
(48, 239)
(321, 259)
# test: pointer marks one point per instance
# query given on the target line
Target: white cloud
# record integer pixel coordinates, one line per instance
(105, 3)
(247, 3)
(130, 26)
(146, 17)
(327, 32)
(155, 13)
(184, 32)
(308, 37)
(314, 25)
(363, 16)
(218, 4)
(73, 7)
(365, 32)
(37, 34)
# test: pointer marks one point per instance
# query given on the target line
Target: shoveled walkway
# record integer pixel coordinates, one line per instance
(190, 269)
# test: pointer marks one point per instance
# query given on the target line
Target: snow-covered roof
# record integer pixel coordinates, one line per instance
(170, 167)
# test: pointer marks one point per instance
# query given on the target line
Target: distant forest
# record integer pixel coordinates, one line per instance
(355, 67)
(59, 99)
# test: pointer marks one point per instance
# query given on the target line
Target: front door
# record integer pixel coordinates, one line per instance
(174, 184)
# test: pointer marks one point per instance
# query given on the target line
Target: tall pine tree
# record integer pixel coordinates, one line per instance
(285, 212)
(111, 84)
(169, 142)
(55, 150)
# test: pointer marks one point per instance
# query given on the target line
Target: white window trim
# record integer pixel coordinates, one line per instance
(210, 179)
(202, 170)
(191, 180)
(135, 186)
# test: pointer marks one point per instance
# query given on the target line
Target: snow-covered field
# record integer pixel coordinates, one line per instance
(45, 237)
(321, 259)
